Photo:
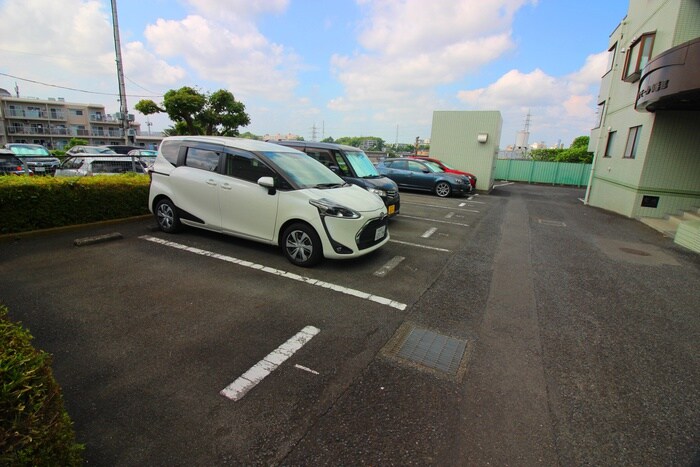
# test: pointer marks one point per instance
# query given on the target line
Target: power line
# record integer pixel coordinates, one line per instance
(71, 89)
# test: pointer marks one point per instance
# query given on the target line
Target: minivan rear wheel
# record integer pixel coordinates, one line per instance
(166, 216)
(301, 245)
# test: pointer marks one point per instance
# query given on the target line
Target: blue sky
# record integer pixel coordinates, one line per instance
(345, 67)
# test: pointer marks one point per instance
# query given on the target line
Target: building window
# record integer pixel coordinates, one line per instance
(611, 57)
(609, 144)
(638, 56)
(599, 115)
(632, 142)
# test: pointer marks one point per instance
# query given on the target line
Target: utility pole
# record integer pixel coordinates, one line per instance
(123, 110)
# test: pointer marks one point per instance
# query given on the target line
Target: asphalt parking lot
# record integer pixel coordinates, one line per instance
(518, 327)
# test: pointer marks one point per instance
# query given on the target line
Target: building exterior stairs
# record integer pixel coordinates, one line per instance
(684, 228)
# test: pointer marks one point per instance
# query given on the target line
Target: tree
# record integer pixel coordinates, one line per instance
(580, 142)
(194, 113)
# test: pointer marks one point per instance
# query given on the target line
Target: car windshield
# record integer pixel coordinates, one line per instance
(30, 150)
(433, 167)
(362, 165)
(98, 150)
(304, 171)
(447, 166)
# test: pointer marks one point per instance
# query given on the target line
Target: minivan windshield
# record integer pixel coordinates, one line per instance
(304, 171)
(361, 164)
(29, 150)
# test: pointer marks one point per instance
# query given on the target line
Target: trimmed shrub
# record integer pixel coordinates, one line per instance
(35, 429)
(32, 203)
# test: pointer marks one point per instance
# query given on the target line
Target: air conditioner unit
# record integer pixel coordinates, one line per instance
(131, 117)
(131, 132)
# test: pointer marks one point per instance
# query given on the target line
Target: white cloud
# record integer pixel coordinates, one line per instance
(240, 57)
(562, 104)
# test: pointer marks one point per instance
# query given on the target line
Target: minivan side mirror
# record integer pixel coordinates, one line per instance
(269, 183)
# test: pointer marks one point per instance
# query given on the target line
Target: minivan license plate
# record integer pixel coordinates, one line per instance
(380, 233)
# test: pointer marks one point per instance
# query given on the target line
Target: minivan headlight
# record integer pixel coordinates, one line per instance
(327, 207)
(378, 192)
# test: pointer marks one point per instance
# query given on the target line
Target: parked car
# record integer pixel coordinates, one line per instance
(266, 193)
(12, 165)
(80, 149)
(36, 157)
(146, 155)
(421, 175)
(94, 164)
(448, 169)
(353, 166)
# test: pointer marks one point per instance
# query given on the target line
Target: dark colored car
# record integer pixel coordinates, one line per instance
(11, 164)
(448, 169)
(122, 148)
(421, 175)
(353, 166)
(36, 157)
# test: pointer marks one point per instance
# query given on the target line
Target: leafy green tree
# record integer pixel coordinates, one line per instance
(328, 140)
(249, 135)
(194, 113)
(580, 142)
(75, 142)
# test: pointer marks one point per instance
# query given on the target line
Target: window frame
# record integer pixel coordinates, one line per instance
(609, 144)
(635, 55)
(633, 138)
(599, 114)
(229, 154)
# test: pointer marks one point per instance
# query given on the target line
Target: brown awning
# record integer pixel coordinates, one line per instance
(671, 81)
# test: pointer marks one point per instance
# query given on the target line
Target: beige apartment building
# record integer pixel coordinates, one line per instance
(647, 137)
(53, 122)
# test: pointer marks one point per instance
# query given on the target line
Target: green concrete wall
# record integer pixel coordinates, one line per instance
(454, 140)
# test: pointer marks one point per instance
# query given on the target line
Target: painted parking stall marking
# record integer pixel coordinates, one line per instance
(248, 380)
(417, 245)
(434, 220)
(428, 233)
(461, 205)
(391, 264)
(278, 272)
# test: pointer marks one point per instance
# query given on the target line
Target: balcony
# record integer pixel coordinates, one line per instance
(36, 114)
(101, 118)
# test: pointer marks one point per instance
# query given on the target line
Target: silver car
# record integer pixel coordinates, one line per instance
(91, 164)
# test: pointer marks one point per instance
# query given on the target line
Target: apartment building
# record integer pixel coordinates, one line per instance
(53, 122)
(647, 137)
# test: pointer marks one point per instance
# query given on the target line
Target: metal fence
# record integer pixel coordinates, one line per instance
(555, 173)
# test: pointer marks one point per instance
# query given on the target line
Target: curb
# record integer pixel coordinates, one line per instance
(70, 228)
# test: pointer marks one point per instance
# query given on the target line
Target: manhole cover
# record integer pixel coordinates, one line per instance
(632, 251)
(433, 350)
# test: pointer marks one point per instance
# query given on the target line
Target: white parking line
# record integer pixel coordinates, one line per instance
(279, 272)
(391, 264)
(429, 232)
(449, 215)
(440, 207)
(419, 246)
(248, 380)
(434, 220)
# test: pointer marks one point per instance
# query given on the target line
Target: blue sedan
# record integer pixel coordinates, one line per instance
(424, 176)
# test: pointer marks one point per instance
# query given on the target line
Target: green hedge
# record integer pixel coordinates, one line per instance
(32, 203)
(35, 429)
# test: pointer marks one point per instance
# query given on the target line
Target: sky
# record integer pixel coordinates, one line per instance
(320, 68)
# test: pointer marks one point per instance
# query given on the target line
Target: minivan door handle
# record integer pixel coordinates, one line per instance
(211, 182)
(226, 186)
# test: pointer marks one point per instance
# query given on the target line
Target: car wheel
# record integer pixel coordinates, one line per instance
(301, 245)
(166, 216)
(443, 189)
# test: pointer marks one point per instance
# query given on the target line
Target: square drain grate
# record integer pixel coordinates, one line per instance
(433, 350)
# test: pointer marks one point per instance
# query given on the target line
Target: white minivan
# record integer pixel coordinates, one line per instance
(267, 193)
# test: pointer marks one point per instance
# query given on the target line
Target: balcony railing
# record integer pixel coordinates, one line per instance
(39, 114)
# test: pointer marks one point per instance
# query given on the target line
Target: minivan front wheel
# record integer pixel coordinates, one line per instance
(166, 216)
(443, 189)
(302, 245)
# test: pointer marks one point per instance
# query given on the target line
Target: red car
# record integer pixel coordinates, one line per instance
(448, 169)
